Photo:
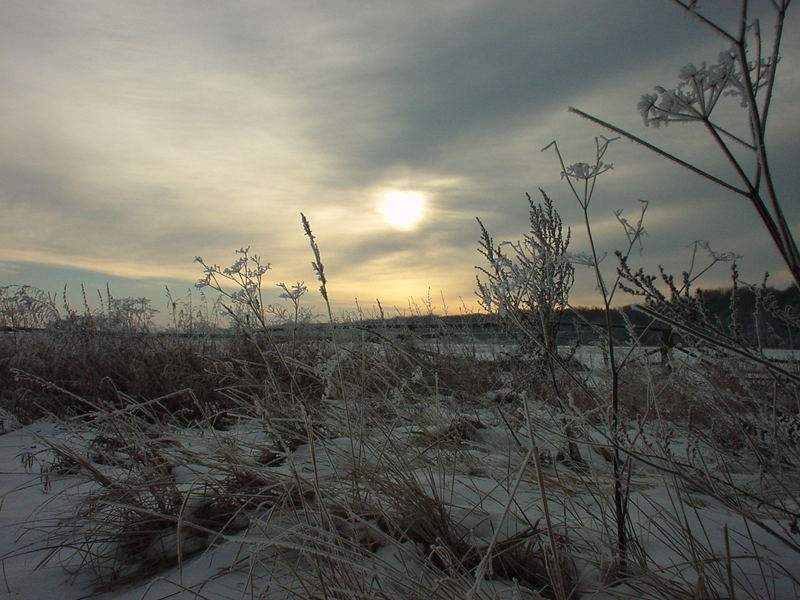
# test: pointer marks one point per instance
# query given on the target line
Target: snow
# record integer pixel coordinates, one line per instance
(687, 533)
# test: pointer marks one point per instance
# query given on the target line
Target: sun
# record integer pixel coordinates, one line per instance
(403, 209)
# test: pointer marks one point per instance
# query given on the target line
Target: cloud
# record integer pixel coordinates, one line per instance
(8, 269)
(134, 136)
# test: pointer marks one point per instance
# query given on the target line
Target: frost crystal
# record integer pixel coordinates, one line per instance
(237, 266)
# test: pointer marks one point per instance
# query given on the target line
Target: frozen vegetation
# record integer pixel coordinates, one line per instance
(227, 459)
(408, 475)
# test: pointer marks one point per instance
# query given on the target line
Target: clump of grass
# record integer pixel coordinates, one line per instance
(158, 492)
(100, 365)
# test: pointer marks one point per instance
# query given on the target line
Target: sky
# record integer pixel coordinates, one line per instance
(135, 136)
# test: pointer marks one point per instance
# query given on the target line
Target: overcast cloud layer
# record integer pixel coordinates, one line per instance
(136, 135)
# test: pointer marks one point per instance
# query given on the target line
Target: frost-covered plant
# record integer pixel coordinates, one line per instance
(129, 313)
(747, 71)
(317, 265)
(698, 91)
(294, 293)
(245, 276)
(527, 282)
(26, 306)
(582, 181)
(675, 303)
(678, 300)
(188, 315)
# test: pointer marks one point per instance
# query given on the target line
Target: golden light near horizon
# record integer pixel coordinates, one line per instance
(403, 209)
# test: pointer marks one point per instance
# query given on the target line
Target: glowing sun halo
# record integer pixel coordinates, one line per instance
(402, 209)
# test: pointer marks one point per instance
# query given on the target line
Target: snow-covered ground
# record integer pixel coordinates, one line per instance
(345, 512)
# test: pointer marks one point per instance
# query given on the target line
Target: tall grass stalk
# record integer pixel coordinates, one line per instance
(582, 180)
(319, 269)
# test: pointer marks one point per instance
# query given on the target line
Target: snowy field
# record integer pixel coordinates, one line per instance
(498, 497)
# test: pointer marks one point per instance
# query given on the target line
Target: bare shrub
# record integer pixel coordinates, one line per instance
(527, 282)
(24, 306)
